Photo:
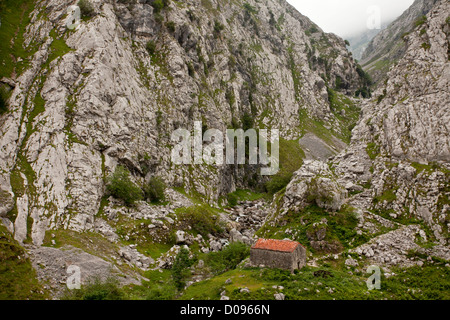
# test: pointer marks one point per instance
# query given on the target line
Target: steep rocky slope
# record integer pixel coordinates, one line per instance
(388, 47)
(397, 164)
(112, 91)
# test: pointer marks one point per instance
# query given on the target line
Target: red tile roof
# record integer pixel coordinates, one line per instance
(276, 245)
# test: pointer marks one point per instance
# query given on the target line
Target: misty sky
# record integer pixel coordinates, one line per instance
(347, 17)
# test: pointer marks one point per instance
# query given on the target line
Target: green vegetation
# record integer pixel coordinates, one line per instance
(3, 100)
(58, 48)
(326, 283)
(86, 8)
(228, 258)
(243, 195)
(296, 74)
(388, 196)
(201, 218)
(15, 16)
(97, 289)
(366, 82)
(232, 199)
(171, 26)
(426, 46)
(247, 121)
(180, 268)
(17, 276)
(159, 5)
(120, 186)
(420, 21)
(218, 27)
(381, 97)
(301, 226)
(151, 47)
(154, 190)
(346, 111)
(249, 8)
(291, 159)
(373, 150)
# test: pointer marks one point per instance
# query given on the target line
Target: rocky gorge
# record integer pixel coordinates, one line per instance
(364, 170)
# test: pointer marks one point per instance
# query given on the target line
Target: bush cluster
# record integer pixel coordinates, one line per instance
(97, 289)
(202, 220)
(228, 258)
(86, 8)
(120, 186)
(154, 190)
(151, 47)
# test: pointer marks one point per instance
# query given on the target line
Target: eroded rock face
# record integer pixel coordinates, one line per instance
(106, 100)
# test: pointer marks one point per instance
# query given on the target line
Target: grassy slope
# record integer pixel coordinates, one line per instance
(14, 18)
(428, 282)
(17, 276)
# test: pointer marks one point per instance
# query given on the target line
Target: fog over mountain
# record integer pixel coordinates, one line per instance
(348, 18)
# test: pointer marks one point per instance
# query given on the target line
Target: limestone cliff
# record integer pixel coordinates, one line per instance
(111, 92)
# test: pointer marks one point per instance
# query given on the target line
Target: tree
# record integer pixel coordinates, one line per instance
(151, 47)
(180, 268)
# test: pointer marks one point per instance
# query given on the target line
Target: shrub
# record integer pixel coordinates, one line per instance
(171, 26)
(373, 150)
(228, 258)
(154, 190)
(247, 121)
(120, 186)
(232, 199)
(218, 27)
(3, 98)
(277, 183)
(426, 46)
(151, 47)
(250, 9)
(161, 293)
(158, 5)
(367, 79)
(180, 268)
(191, 69)
(313, 29)
(420, 21)
(202, 220)
(86, 8)
(97, 289)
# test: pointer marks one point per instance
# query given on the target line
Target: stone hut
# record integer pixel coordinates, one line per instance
(283, 254)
